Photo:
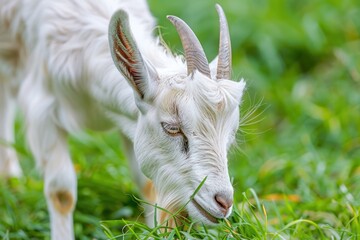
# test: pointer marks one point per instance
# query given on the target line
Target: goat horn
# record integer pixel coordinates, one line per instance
(224, 61)
(194, 53)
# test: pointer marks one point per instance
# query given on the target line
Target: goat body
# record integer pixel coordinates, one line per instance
(56, 63)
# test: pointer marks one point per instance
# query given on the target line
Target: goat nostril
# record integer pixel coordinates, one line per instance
(224, 202)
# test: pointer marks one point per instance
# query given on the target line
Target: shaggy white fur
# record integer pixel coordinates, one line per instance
(55, 61)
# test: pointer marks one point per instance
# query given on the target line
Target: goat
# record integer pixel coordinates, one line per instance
(74, 65)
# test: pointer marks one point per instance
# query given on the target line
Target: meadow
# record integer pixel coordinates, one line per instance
(296, 165)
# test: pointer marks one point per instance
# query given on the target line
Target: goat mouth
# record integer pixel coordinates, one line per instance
(205, 213)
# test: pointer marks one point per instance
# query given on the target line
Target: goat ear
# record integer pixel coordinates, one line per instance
(127, 57)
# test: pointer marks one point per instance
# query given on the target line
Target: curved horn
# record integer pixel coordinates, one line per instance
(194, 53)
(224, 61)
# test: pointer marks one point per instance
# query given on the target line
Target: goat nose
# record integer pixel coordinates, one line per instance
(224, 202)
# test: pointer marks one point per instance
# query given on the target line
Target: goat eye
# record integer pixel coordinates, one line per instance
(171, 129)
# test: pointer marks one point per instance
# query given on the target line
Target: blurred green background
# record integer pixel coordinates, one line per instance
(298, 146)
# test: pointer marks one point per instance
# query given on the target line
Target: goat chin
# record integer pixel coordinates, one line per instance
(73, 65)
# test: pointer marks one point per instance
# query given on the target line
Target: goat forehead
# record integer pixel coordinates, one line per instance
(197, 106)
(199, 94)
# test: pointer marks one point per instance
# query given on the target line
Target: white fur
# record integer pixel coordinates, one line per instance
(55, 59)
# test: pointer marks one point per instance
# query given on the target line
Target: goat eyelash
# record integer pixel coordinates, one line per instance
(175, 130)
(171, 129)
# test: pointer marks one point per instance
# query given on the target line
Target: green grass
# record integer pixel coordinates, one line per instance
(296, 169)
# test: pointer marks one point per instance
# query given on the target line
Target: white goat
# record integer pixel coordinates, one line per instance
(178, 117)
